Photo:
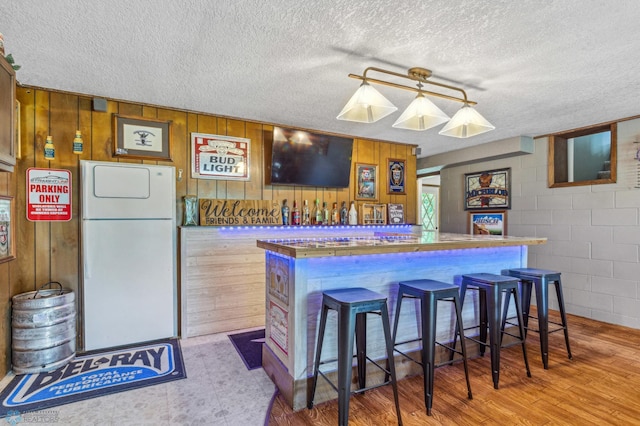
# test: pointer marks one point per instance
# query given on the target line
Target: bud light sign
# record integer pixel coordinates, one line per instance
(219, 157)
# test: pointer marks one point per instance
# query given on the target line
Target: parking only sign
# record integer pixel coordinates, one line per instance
(48, 195)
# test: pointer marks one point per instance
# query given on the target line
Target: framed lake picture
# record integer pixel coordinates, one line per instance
(488, 190)
(487, 223)
(395, 176)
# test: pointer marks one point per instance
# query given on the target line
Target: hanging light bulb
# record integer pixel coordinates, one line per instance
(465, 123)
(421, 114)
(367, 105)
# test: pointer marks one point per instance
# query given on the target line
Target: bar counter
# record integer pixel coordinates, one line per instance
(299, 270)
(388, 243)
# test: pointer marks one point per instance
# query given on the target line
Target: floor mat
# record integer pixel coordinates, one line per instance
(94, 374)
(249, 346)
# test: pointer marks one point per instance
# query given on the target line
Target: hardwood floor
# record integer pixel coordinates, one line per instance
(599, 386)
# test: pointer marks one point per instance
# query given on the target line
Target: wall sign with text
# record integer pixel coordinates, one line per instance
(490, 189)
(239, 212)
(219, 157)
(48, 195)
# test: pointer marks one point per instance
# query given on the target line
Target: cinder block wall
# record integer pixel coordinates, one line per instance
(593, 231)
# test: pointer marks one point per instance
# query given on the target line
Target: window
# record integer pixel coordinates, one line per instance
(583, 157)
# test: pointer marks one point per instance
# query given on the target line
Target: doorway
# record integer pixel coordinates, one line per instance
(429, 202)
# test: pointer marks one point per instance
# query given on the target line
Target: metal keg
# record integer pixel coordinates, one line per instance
(43, 329)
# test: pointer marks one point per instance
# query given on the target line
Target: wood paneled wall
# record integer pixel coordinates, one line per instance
(50, 251)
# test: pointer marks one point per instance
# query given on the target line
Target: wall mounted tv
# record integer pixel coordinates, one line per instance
(296, 157)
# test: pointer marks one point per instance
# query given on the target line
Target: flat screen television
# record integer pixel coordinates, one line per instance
(295, 157)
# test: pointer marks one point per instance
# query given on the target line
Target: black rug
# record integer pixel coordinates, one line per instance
(93, 374)
(249, 346)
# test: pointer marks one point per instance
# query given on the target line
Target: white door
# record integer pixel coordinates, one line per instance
(429, 207)
(128, 289)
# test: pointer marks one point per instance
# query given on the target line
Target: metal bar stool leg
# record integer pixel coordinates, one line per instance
(542, 299)
(428, 309)
(493, 308)
(563, 316)
(346, 332)
(361, 348)
(460, 330)
(462, 293)
(316, 364)
(525, 291)
(484, 321)
(522, 330)
(392, 369)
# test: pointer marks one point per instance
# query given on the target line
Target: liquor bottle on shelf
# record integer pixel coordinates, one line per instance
(285, 213)
(326, 219)
(295, 214)
(318, 213)
(305, 213)
(335, 215)
(344, 214)
(353, 214)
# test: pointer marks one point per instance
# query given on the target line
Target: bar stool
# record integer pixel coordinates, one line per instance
(491, 287)
(429, 292)
(352, 306)
(541, 278)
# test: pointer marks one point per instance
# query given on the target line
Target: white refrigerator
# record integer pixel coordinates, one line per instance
(129, 289)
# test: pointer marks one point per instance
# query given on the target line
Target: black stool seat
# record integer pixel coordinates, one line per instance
(352, 305)
(429, 292)
(491, 288)
(541, 278)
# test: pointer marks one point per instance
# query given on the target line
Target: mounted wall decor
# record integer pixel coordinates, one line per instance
(489, 189)
(144, 138)
(367, 182)
(395, 180)
(7, 230)
(219, 157)
(490, 222)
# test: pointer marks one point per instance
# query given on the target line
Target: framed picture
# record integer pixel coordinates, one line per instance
(144, 138)
(395, 180)
(219, 157)
(490, 222)
(396, 213)
(7, 245)
(367, 182)
(488, 190)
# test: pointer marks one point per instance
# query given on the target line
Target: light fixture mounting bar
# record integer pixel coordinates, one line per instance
(416, 74)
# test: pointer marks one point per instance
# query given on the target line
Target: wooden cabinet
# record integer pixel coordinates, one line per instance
(7, 116)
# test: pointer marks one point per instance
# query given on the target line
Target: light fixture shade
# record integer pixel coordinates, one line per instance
(421, 114)
(465, 123)
(367, 105)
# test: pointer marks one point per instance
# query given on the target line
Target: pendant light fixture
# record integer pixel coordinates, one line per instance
(421, 114)
(368, 105)
(465, 123)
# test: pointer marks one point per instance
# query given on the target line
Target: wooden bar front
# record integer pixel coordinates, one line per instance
(298, 271)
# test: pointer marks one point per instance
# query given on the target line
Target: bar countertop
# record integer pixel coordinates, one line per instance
(389, 243)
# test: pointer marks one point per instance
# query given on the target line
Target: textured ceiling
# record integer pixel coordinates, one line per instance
(533, 67)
